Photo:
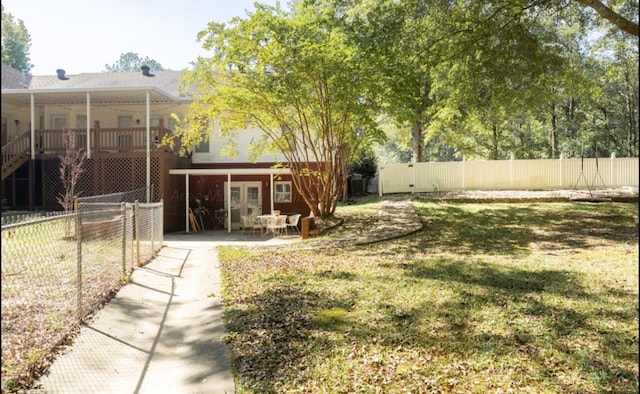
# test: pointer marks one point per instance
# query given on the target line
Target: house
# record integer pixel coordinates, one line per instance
(120, 119)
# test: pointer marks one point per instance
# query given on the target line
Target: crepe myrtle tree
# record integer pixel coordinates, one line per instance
(297, 77)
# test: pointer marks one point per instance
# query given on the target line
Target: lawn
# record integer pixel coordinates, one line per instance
(526, 298)
(40, 293)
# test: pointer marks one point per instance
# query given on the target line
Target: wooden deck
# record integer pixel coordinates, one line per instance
(110, 141)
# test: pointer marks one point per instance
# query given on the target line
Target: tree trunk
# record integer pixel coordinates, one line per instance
(416, 139)
(345, 182)
(631, 113)
(553, 138)
(495, 140)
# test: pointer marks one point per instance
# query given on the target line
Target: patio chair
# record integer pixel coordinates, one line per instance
(292, 222)
(277, 224)
(250, 222)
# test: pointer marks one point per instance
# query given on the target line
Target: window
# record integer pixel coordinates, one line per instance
(124, 122)
(54, 140)
(283, 191)
(81, 122)
(154, 122)
(59, 121)
(81, 136)
(172, 123)
(203, 147)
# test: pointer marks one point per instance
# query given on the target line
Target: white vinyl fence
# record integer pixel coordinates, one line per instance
(550, 174)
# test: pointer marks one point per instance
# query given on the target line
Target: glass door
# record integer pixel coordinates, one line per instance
(254, 202)
(54, 140)
(245, 200)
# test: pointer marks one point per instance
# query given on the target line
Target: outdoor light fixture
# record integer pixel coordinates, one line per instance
(266, 184)
(137, 121)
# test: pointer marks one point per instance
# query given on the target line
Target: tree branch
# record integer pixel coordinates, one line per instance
(607, 13)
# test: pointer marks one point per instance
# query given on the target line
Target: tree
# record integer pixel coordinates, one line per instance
(71, 164)
(396, 37)
(435, 56)
(131, 61)
(488, 86)
(297, 77)
(191, 130)
(16, 42)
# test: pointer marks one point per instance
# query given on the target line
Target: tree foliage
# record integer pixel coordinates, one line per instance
(503, 78)
(131, 61)
(16, 42)
(297, 77)
(444, 80)
(398, 38)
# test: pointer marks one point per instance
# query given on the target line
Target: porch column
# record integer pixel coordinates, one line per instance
(149, 154)
(271, 192)
(229, 202)
(88, 125)
(32, 162)
(33, 128)
(186, 203)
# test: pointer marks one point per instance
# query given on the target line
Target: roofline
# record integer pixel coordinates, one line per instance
(93, 90)
(230, 171)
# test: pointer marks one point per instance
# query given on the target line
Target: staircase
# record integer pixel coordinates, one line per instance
(15, 153)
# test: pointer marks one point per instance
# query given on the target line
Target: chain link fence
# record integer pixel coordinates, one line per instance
(59, 269)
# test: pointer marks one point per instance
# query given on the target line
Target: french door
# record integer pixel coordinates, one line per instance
(246, 199)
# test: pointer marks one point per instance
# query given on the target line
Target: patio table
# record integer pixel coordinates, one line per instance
(264, 221)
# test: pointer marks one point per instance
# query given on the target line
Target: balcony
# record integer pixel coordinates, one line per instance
(104, 141)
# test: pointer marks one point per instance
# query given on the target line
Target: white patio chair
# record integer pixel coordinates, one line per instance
(263, 220)
(277, 224)
(292, 221)
(250, 222)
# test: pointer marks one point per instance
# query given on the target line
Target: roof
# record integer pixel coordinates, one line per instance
(104, 88)
(14, 79)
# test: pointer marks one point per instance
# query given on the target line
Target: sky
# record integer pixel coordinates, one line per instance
(82, 36)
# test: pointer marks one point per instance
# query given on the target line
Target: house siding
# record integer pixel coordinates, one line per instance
(244, 139)
(210, 188)
(108, 171)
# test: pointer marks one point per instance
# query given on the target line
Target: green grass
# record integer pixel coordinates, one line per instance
(527, 298)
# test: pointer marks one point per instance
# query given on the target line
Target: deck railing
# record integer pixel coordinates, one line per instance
(15, 153)
(111, 140)
(50, 142)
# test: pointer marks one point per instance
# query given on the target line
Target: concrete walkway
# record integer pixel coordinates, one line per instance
(163, 332)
